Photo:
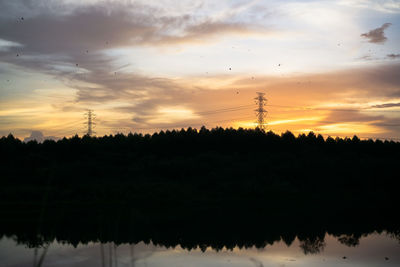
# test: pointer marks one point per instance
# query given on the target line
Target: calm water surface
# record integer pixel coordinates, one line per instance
(373, 250)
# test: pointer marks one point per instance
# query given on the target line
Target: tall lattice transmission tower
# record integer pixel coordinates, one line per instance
(90, 122)
(261, 113)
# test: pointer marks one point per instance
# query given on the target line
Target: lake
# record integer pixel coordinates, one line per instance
(372, 250)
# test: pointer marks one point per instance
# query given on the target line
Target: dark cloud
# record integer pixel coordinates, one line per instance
(66, 35)
(393, 56)
(377, 35)
(338, 116)
(389, 124)
(381, 81)
(100, 26)
(213, 28)
(387, 105)
(367, 57)
(89, 28)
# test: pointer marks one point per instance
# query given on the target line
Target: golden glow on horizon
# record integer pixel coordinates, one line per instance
(345, 128)
(253, 124)
(173, 114)
(313, 119)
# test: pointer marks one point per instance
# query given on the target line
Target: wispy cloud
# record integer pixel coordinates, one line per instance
(387, 105)
(385, 6)
(393, 56)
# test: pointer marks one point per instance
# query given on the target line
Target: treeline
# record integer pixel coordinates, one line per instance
(199, 154)
(217, 138)
(181, 181)
(218, 132)
(208, 160)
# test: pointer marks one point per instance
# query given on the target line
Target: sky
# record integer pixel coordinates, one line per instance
(332, 67)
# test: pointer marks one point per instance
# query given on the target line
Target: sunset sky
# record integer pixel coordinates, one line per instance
(332, 67)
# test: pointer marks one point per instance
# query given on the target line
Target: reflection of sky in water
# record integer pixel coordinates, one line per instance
(371, 252)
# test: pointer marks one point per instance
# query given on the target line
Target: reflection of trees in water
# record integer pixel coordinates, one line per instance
(256, 262)
(312, 245)
(115, 256)
(288, 238)
(102, 255)
(131, 250)
(395, 235)
(36, 262)
(349, 240)
(111, 260)
(112, 255)
(309, 244)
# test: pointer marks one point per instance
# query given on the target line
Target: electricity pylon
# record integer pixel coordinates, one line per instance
(261, 113)
(90, 122)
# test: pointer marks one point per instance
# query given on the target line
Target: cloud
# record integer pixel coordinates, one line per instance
(102, 26)
(391, 124)
(215, 27)
(6, 45)
(337, 116)
(380, 81)
(377, 36)
(367, 57)
(371, 57)
(387, 105)
(385, 6)
(393, 56)
(67, 41)
(365, 121)
(39, 137)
